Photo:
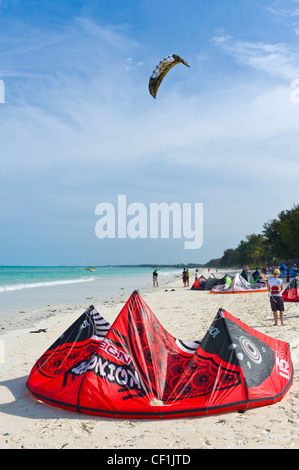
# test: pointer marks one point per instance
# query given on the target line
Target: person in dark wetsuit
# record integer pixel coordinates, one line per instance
(184, 277)
(155, 278)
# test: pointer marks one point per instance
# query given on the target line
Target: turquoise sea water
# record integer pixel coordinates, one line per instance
(24, 289)
(14, 278)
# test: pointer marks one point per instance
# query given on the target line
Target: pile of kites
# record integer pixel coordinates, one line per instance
(232, 285)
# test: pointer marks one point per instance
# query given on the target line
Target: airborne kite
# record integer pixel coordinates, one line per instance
(161, 70)
(135, 369)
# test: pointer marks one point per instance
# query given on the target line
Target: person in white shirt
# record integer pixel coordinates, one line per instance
(275, 286)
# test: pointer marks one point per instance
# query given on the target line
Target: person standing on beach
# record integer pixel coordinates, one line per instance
(184, 277)
(155, 278)
(187, 277)
(196, 274)
(275, 286)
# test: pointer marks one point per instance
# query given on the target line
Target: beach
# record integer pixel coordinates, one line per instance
(186, 314)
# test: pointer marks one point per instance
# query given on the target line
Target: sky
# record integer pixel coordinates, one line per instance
(78, 126)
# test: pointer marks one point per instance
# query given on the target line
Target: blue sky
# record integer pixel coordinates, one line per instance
(79, 127)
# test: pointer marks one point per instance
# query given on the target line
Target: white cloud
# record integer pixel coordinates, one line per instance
(79, 125)
(277, 60)
(94, 109)
(221, 39)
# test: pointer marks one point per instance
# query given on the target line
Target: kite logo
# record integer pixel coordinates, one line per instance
(124, 375)
(2, 92)
(116, 353)
(214, 331)
(251, 350)
(159, 221)
(85, 324)
(283, 368)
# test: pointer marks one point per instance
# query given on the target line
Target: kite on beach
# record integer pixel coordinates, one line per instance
(291, 292)
(161, 70)
(199, 284)
(134, 368)
(239, 285)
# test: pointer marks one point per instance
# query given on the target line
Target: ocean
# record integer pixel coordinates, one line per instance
(27, 289)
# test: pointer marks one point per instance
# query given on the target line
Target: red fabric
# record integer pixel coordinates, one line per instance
(140, 371)
(291, 293)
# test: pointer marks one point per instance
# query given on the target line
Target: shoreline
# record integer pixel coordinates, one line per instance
(185, 314)
(28, 306)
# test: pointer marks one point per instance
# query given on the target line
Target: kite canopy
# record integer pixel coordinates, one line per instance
(253, 278)
(291, 292)
(206, 284)
(214, 281)
(161, 70)
(239, 285)
(135, 369)
(258, 277)
(244, 274)
(199, 284)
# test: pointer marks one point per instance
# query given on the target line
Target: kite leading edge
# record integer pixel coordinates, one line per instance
(161, 70)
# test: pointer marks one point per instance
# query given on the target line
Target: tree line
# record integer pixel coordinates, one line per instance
(278, 242)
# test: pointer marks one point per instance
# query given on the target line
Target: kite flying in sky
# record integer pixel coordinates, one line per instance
(161, 70)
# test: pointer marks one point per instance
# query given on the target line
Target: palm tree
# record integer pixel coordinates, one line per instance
(255, 247)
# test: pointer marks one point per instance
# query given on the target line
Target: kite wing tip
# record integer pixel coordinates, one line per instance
(153, 93)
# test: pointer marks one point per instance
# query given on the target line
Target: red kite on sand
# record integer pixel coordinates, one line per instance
(135, 369)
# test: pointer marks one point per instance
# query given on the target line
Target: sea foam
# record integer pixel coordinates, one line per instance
(43, 284)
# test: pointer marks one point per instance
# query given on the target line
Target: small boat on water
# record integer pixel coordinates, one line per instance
(91, 268)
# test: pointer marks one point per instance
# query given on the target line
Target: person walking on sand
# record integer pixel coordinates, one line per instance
(275, 286)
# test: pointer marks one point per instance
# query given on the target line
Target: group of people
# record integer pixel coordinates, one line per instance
(185, 277)
(274, 284)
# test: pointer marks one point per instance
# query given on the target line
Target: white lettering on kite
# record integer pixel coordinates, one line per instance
(115, 352)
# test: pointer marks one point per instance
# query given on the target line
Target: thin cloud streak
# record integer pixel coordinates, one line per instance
(277, 60)
(79, 127)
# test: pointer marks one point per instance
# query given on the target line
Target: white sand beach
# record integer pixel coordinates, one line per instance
(186, 314)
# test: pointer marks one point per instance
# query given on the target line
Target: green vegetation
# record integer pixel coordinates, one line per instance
(279, 240)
